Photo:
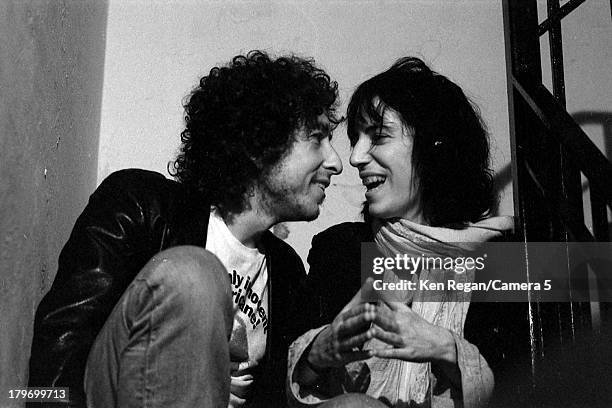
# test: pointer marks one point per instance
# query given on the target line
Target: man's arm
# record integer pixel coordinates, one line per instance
(109, 243)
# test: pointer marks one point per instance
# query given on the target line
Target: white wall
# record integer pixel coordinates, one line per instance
(51, 62)
(156, 52)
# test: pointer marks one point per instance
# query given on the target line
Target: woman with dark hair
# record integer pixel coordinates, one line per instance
(423, 155)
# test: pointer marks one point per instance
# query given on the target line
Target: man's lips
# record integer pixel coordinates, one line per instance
(322, 183)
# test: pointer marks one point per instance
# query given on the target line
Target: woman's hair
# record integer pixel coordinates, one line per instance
(450, 151)
(241, 120)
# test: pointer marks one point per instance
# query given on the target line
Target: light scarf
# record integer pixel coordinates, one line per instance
(402, 382)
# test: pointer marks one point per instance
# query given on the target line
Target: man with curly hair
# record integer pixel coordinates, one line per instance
(174, 293)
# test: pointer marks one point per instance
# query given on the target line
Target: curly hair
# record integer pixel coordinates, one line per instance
(450, 153)
(242, 119)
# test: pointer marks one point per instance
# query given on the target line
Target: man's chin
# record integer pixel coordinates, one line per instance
(305, 214)
(313, 216)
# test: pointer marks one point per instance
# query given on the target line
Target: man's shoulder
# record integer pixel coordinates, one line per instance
(145, 187)
(138, 179)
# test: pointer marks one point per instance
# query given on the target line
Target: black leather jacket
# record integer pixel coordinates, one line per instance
(130, 217)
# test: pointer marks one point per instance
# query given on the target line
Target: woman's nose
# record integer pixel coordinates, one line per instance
(360, 153)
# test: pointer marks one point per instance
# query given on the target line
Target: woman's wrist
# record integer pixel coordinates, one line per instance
(306, 372)
(312, 366)
(447, 348)
(447, 363)
(309, 359)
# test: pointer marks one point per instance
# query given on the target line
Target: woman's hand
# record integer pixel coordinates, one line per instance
(341, 342)
(415, 339)
(412, 337)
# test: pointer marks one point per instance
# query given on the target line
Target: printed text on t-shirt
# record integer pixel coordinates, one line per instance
(248, 301)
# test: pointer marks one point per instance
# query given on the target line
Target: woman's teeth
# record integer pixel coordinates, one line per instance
(372, 182)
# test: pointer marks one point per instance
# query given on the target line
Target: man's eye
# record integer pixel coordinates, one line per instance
(318, 136)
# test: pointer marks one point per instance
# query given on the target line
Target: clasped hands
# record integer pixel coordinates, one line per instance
(407, 335)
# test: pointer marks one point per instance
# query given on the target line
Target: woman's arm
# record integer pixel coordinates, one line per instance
(456, 363)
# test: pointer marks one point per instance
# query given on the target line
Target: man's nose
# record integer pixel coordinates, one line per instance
(332, 161)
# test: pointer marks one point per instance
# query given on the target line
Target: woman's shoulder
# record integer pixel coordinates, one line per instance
(334, 265)
(339, 246)
(345, 232)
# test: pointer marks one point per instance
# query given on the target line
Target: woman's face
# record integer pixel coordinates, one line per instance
(383, 156)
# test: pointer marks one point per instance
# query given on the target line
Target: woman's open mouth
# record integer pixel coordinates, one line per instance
(373, 182)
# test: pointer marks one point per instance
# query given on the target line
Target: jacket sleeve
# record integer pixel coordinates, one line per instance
(300, 395)
(476, 380)
(476, 376)
(109, 243)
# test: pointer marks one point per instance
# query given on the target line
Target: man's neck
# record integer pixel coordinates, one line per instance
(249, 225)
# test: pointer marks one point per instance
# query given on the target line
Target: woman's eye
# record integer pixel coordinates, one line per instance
(379, 138)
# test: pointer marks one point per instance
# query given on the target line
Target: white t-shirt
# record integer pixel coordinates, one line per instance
(249, 276)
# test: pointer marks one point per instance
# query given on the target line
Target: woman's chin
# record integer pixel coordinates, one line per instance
(375, 211)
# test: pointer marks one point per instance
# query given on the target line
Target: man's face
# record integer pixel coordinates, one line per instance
(295, 186)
